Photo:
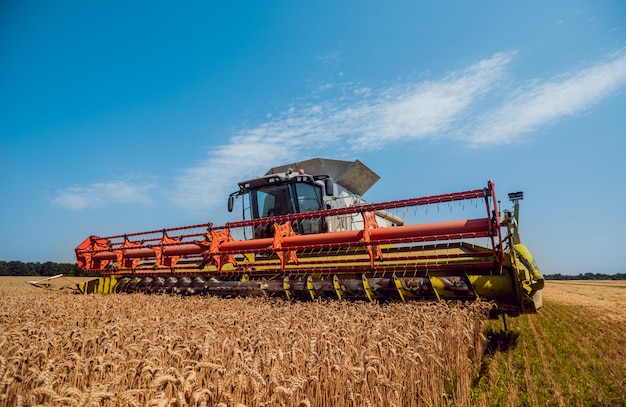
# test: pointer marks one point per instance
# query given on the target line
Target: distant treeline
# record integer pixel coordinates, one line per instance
(586, 276)
(18, 268)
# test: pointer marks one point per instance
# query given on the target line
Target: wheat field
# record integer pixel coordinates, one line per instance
(61, 349)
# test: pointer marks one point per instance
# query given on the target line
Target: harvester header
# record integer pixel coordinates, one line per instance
(306, 233)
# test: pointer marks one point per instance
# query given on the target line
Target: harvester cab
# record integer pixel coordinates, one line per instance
(285, 191)
(305, 233)
(284, 194)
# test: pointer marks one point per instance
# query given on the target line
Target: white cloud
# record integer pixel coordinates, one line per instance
(538, 104)
(250, 153)
(360, 119)
(422, 110)
(325, 59)
(102, 194)
(470, 104)
(366, 120)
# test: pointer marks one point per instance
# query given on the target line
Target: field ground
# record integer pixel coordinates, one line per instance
(572, 353)
(138, 350)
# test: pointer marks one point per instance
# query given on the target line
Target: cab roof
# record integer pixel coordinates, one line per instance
(354, 176)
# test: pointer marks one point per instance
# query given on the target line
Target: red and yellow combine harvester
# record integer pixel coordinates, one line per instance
(307, 234)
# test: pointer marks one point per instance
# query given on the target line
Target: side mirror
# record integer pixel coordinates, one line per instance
(329, 186)
(231, 203)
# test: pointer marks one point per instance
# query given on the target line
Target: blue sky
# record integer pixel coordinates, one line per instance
(127, 116)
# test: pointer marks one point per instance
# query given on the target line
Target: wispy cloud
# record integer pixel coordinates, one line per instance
(250, 153)
(357, 120)
(471, 104)
(424, 110)
(104, 193)
(538, 103)
(333, 56)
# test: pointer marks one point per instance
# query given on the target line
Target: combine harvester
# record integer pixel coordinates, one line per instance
(307, 234)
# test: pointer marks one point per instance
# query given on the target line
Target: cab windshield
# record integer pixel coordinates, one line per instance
(283, 199)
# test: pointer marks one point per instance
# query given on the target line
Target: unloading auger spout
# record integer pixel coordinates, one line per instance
(308, 234)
